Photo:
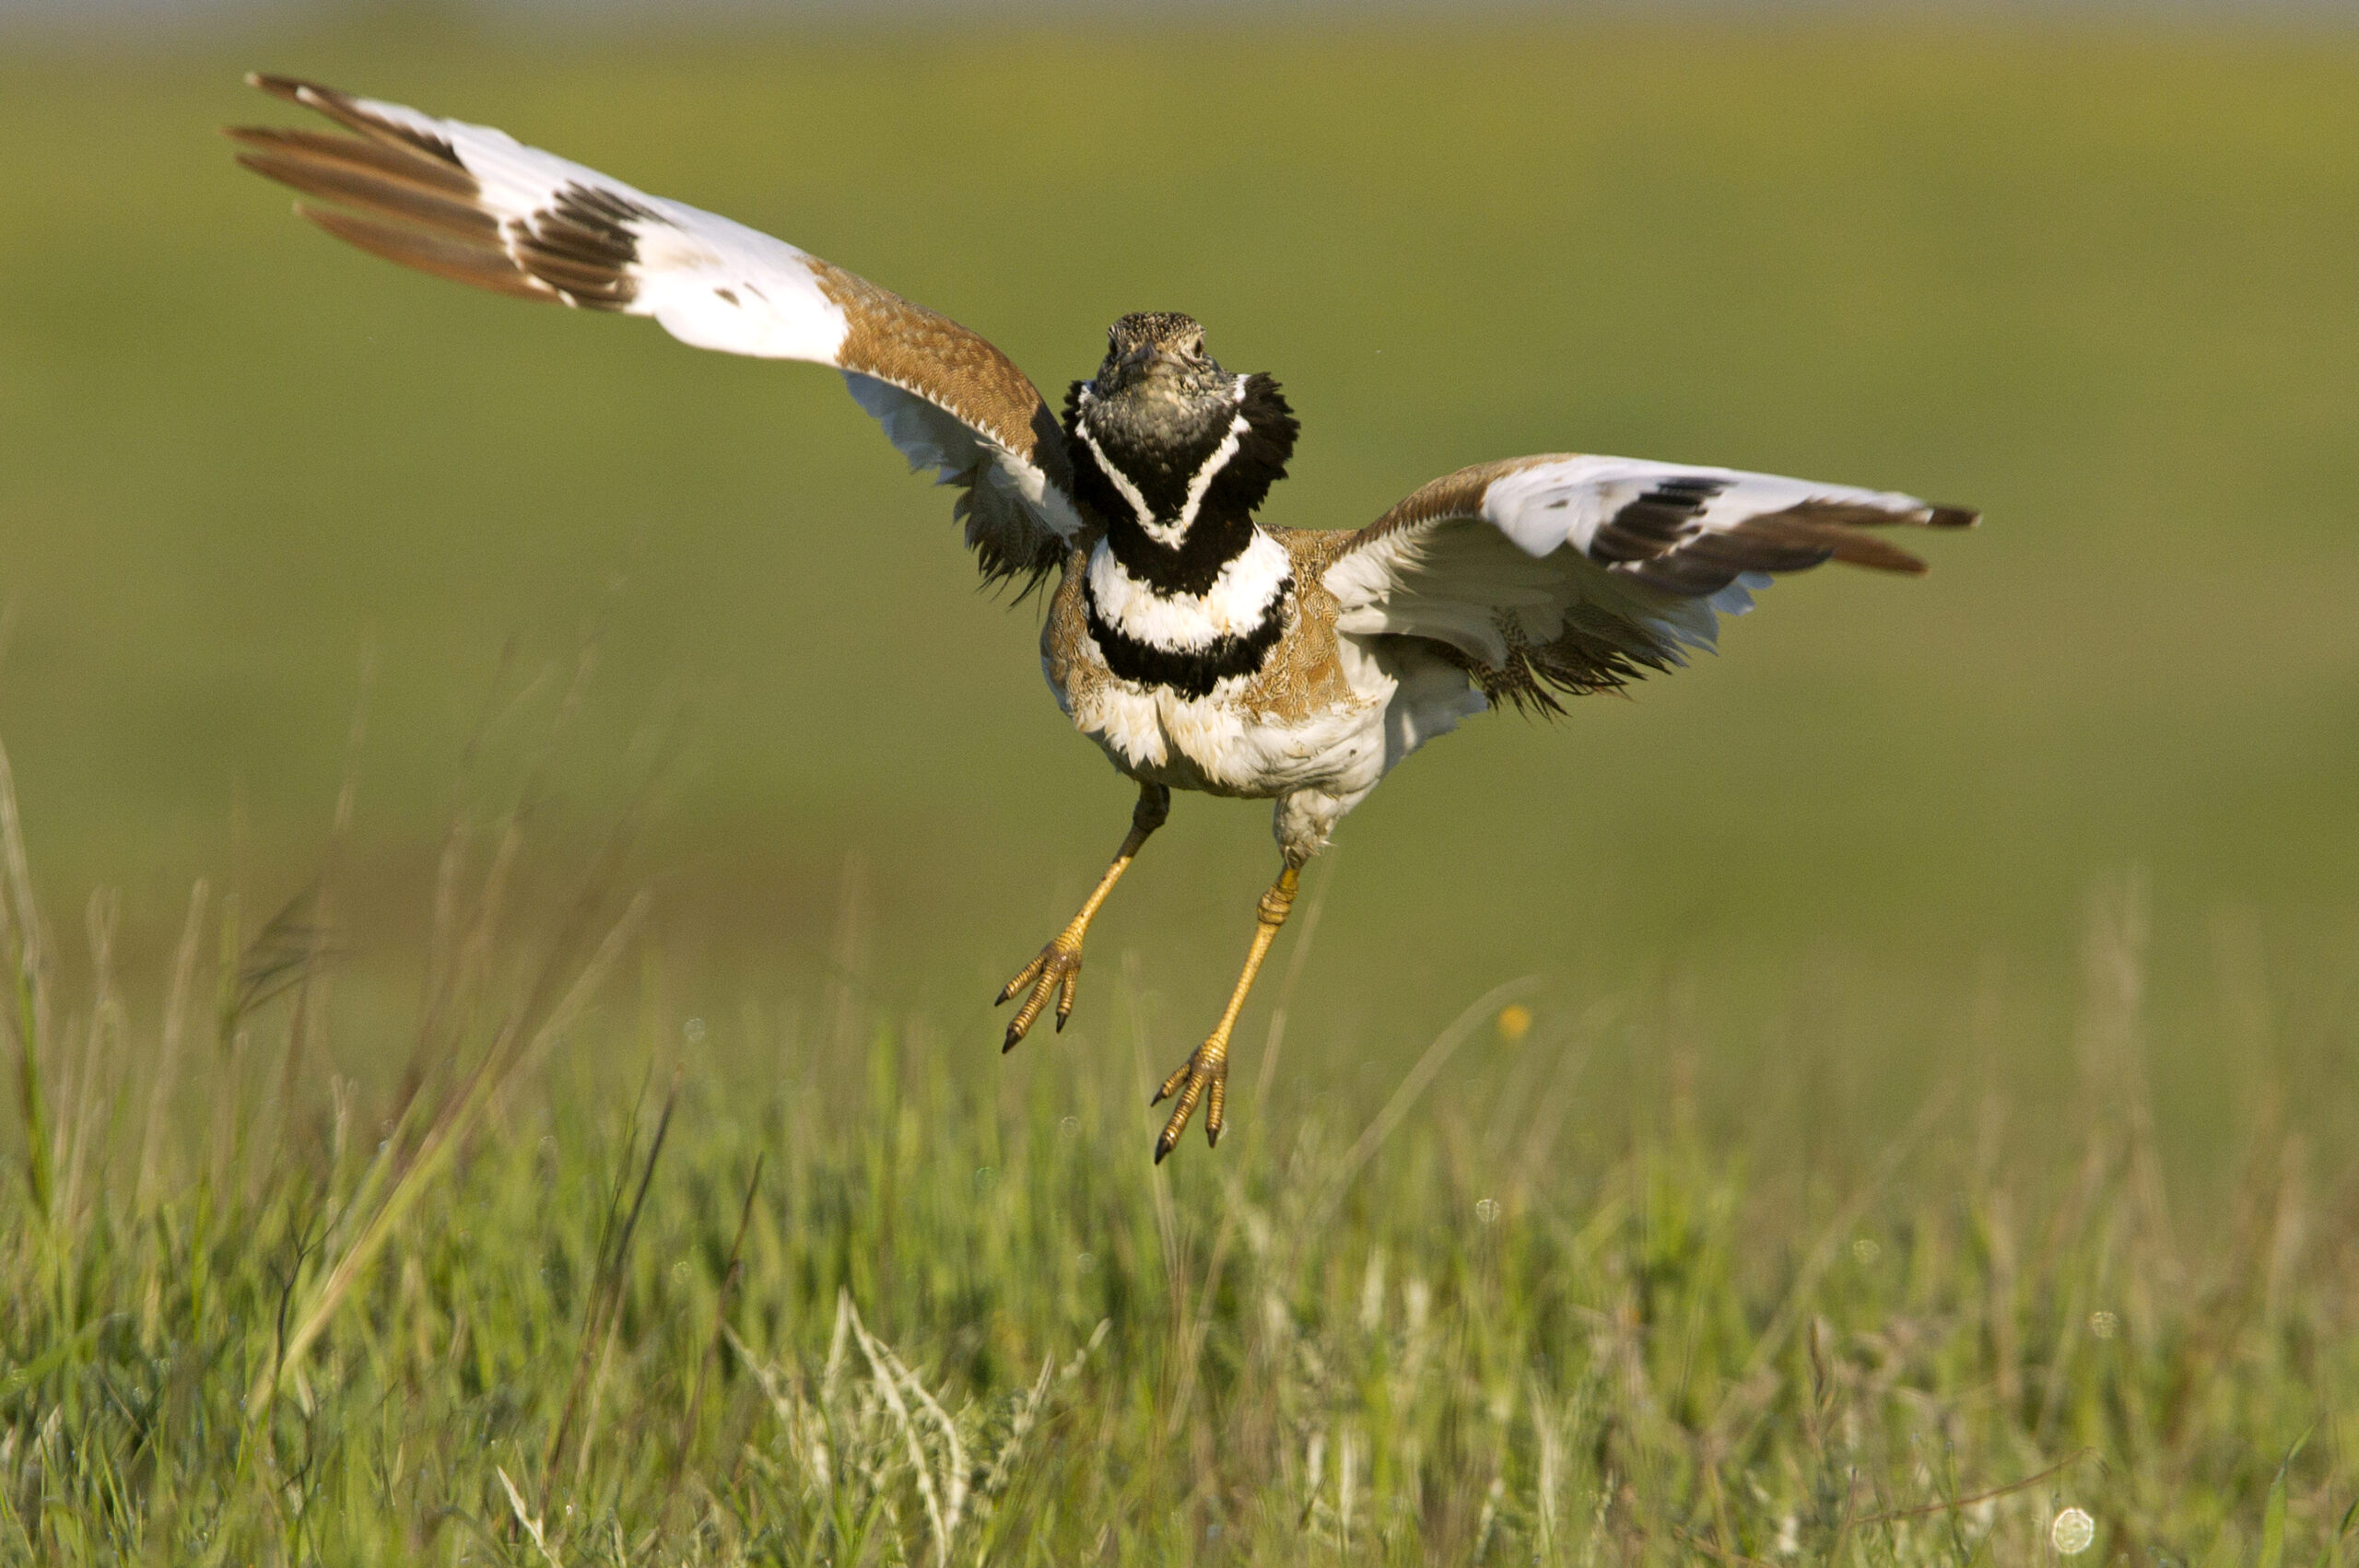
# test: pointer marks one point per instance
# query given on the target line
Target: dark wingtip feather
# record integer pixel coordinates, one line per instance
(287, 87)
(476, 264)
(1953, 517)
(1867, 550)
(346, 111)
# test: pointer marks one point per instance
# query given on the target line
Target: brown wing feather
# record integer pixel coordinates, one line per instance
(403, 163)
(365, 189)
(481, 266)
(951, 367)
(403, 189)
(1452, 495)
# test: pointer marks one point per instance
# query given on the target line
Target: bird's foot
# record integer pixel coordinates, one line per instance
(1203, 1076)
(1056, 972)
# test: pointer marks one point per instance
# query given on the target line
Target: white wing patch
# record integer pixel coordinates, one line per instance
(1473, 588)
(709, 281)
(1567, 501)
(473, 204)
(1570, 571)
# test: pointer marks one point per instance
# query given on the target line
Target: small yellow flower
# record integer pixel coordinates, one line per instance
(1515, 1022)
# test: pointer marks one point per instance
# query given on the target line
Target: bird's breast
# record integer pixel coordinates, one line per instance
(1245, 599)
(1237, 691)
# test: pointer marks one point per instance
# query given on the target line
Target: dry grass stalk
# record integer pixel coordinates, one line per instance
(1437, 1056)
(435, 1148)
(20, 945)
(84, 1127)
(310, 988)
(167, 1054)
(606, 1291)
(531, 1522)
(887, 1374)
(2115, 1087)
(729, 1273)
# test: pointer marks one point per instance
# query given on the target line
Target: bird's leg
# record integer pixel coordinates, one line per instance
(1204, 1075)
(1058, 968)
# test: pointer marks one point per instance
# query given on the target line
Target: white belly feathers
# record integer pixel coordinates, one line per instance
(1217, 745)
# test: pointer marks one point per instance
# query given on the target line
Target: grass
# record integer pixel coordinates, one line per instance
(1929, 1105)
(565, 1276)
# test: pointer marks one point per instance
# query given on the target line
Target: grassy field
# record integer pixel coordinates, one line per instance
(1936, 1072)
(806, 1287)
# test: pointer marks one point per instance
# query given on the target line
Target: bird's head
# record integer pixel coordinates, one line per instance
(1159, 358)
(1174, 432)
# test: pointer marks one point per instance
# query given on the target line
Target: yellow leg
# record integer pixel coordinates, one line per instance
(1204, 1075)
(1057, 971)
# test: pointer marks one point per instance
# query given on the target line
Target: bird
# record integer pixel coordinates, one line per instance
(1199, 647)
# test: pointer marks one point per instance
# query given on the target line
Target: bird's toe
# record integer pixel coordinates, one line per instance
(1053, 976)
(1203, 1078)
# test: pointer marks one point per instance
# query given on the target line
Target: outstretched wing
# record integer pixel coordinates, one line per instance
(471, 204)
(1574, 574)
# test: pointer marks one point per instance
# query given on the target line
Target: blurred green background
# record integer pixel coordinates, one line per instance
(2100, 280)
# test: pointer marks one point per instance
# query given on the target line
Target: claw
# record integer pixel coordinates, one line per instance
(1022, 978)
(1055, 973)
(1203, 1077)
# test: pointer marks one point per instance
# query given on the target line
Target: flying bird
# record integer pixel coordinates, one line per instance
(1200, 648)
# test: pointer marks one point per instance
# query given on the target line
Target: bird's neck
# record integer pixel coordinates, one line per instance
(1184, 592)
(1184, 561)
(1177, 493)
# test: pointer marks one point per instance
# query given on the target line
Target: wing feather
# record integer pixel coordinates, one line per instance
(473, 204)
(1567, 573)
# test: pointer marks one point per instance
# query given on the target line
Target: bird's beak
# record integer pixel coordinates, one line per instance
(1143, 363)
